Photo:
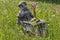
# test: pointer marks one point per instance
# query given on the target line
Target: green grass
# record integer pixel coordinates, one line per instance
(9, 30)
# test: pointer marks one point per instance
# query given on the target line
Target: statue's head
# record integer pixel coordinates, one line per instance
(22, 4)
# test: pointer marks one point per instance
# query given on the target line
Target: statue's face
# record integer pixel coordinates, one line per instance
(22, 5)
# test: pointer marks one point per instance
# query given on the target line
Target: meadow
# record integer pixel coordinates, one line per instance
(9, 30)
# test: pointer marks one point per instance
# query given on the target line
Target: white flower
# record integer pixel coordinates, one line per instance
(53, 15)
(39, 11)
(48, 24)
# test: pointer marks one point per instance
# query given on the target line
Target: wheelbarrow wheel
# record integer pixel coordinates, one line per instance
(27, 28)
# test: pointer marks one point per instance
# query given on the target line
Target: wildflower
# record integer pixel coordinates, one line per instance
(53, 15)
(48, 24)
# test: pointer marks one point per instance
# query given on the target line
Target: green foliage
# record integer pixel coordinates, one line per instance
(9, 30)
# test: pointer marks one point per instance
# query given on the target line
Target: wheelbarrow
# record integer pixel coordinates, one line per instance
(35, 26)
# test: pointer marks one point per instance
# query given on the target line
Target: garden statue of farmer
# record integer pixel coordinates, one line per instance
(29, 21)
(24, 15)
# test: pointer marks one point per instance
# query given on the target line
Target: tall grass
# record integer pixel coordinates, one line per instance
(9, 30)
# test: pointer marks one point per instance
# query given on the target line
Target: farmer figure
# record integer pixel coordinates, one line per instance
(30, 21)
(24, 15)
